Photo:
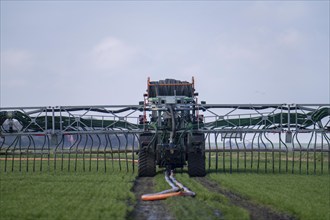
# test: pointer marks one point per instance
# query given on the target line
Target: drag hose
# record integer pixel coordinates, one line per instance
(177, 189)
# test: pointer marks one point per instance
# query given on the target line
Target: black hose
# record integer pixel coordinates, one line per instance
(173, 123)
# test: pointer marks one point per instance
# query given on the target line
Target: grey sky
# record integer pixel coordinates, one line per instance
(101, 53)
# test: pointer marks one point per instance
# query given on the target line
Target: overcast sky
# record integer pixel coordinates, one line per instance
(101, 53)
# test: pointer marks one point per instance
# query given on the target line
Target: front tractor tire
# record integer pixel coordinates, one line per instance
(196, 164)
(147, 164)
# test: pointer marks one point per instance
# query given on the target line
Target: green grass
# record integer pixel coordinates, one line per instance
(206, 204)
(66, 195)
(304, 196)
(101, 189)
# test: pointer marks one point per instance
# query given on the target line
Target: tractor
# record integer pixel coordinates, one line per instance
(170, 138)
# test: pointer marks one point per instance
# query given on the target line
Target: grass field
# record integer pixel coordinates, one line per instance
(102, 191)
(278, 180)
(303, 196)
(65, 195)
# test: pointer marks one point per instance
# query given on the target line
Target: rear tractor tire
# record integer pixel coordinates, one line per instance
(147, 164)
(196, 164)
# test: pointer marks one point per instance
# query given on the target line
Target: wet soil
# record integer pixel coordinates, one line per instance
(149, 210)
(256, 211)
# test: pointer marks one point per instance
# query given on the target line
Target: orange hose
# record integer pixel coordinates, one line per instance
(153, 197)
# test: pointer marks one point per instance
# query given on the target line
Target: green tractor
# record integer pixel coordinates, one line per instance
(171, 138)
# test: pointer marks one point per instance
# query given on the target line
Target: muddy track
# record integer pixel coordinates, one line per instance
(151, 210)
(256, 211)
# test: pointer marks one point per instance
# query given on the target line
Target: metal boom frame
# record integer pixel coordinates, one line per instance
(239, 137)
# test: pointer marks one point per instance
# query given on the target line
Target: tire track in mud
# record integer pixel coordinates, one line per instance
(150, 210)
(256, 211)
